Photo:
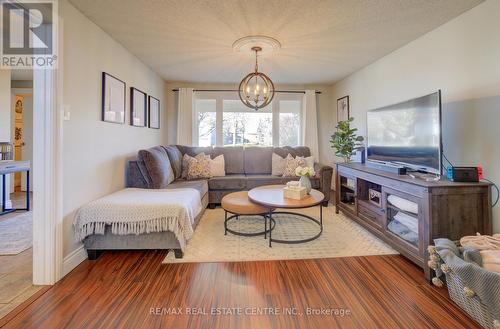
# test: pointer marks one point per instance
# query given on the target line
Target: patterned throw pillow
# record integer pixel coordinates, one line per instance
(291, 164)
(186, 160)
(199, 167)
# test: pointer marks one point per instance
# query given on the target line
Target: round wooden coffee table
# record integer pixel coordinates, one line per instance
(272, 197)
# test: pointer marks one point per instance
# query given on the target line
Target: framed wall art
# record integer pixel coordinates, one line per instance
(154, 112)
(343, 108)
(138, 107)
(113, 99)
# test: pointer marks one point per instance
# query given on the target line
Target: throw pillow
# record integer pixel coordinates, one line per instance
(186, 159)
(158, 166)
(217, 166)
(199, 167)
(278, 165)
(291, 164)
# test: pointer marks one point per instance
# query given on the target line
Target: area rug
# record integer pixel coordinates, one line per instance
(341, 237)
(16, 234)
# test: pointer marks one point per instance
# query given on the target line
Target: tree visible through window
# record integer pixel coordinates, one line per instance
(244, 126)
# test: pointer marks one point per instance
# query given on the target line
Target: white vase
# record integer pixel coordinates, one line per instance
(305, 182)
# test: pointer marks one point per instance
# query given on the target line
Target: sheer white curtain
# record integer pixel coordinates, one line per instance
(185, 116)
(309, 134)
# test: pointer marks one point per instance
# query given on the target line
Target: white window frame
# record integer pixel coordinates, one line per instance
(219, 98)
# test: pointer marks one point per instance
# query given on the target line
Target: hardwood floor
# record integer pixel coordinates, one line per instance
(16, 270)
(134, 290)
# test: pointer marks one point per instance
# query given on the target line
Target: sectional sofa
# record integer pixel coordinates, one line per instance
(246, 168)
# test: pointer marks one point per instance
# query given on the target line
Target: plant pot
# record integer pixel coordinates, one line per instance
(305, 182)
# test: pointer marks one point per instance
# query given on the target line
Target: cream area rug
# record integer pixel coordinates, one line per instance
(341, 237)
(16, 234)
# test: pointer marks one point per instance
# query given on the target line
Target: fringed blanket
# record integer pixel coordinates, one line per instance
(138, 211)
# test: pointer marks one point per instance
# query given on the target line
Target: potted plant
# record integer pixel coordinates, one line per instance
(345, 141)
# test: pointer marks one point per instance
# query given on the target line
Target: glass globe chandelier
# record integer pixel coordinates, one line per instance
(256, 90)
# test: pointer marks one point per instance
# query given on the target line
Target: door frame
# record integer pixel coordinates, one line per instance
(48, 171)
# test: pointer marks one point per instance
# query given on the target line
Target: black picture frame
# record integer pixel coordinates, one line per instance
(343, 109)
(135, 113)
(113, 99)
(154, 106)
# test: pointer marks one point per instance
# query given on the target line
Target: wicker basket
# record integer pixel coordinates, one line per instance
(463, 296)
(471, 305)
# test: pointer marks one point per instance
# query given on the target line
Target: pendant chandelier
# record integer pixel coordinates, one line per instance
(256, 90)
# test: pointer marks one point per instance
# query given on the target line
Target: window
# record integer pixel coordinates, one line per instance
(222, 119)
(206, 121)
(242, 125)
(289, 125)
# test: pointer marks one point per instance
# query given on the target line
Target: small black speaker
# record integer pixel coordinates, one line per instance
(359, 156)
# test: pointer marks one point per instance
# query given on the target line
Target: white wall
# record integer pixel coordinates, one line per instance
(324, 108)
(462, 58)
(5, 118)
(95, 152)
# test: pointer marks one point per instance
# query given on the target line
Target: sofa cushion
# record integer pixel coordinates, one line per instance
(200, 185)
(195, 150)
(228, 182)
(260, 180)
(158, 166)
(234, 158)
(301, 151)
(258, 160)
(175, 156)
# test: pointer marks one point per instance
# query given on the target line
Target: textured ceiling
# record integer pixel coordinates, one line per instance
(322, 40)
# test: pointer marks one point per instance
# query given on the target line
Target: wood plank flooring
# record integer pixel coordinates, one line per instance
(134, 290)
(16, 270)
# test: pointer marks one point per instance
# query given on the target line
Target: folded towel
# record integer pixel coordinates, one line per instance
(481, 242)
(403, 231)
(403, 204)
(408, 221)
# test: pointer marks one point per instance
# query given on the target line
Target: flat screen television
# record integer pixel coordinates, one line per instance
(407, 133)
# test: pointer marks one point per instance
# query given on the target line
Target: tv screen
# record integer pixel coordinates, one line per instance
(407, 133)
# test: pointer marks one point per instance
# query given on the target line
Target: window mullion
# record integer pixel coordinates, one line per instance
(276, 121)
(218, 121)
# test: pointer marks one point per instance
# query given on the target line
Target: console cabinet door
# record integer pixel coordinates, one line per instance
(404, 221)
(347, 188)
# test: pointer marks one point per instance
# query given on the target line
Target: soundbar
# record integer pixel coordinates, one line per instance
(392, 168)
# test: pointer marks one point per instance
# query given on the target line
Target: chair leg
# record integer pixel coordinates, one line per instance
(178, 253)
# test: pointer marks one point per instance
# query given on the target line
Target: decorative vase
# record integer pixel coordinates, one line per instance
(305, 182)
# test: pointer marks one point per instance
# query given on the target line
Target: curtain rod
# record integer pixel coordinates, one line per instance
(277, 91)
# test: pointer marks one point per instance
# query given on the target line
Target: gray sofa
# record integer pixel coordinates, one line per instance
(246, 168)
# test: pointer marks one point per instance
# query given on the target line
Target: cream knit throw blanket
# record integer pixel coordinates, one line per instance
(137, 211)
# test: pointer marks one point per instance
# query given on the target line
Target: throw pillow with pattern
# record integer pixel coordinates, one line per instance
(291, 164)
(199, 167)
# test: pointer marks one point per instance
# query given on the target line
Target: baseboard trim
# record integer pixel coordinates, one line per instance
(74, 259)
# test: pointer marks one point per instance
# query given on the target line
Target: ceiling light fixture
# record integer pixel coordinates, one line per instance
(256, 90)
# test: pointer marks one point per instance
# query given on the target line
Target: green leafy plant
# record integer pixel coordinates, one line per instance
(345, 141)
